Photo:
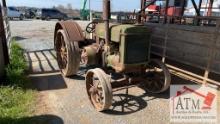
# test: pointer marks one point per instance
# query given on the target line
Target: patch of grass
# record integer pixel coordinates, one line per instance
(15, 103)
(15, 71)
(16, 99)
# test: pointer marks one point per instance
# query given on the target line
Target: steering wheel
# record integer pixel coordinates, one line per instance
(90, 28)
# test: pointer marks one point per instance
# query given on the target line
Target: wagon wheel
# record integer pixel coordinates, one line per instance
(68, 55)
(99, 89)
(159, 77)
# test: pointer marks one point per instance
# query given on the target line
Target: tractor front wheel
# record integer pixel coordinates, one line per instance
(158, 77)
(99, 89)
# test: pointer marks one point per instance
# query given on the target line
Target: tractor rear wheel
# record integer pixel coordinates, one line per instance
(99, 89)
(68, 54)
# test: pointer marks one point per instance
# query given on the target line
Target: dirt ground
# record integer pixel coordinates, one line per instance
(64, 100)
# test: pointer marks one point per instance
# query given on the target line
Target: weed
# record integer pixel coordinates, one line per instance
(15, 71)
(15, 99)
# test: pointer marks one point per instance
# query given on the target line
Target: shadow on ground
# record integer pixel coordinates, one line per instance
(48, 82)
(42, 119)
(42, 61)
(126, 104)
(44, 70)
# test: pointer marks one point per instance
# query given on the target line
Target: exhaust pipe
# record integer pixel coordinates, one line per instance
(106, 17)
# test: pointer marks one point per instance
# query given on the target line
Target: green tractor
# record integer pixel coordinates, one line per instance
(120, 54)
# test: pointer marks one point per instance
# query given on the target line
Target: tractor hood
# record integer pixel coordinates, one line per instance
(117, 31)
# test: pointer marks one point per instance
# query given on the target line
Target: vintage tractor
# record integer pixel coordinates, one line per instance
(120, 51)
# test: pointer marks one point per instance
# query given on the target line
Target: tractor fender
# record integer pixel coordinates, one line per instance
(72, 30)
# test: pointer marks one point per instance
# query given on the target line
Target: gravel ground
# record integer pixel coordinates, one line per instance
(65, 99)
(36, 34)
(33, 35)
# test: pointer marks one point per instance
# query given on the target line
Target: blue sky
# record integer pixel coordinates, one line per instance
(95, 4)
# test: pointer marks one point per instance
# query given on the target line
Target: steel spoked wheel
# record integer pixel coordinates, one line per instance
(68, 55)
(99, 89)
(158, 77)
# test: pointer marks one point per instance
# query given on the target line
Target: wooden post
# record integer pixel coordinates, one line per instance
(3, 38)
(4, 3)
(2, 62)
(139, 16)
(209, 13)
(106, 17)
(4, 58)
(183, 4)
(165, 14)
(197, 12)
(200, 3)
(165, 43)
(143, 10)
(195, 7)
(212, 52)
(143, 7)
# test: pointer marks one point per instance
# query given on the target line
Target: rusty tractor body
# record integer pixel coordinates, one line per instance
(120, 51)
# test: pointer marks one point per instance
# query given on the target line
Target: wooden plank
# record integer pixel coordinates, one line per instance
(158, 41)
(186, 43)
(200, 29)
(4, 17)
(157, 50)
(7, 28)
(185, 55)
(4, 11)
(212, 53)
(190, 45)
(189, 59)
(183, 41)
(217, 56)
(157, 46)
(165, 44)
(218, 42)
(191, 37)
(159, 32)
(175, 46)
(193, 75)
(200, 63)
(158, 54)
(158, 36)
(178, 60)
(187, 49)
(7, 35)
(215, 67)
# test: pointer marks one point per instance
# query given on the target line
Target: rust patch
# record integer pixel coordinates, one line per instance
(72, 29)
